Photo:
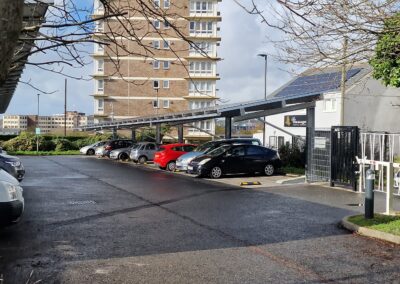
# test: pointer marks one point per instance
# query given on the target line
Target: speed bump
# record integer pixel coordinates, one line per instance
(250, 183)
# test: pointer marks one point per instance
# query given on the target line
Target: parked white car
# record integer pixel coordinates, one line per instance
(91, 149)
(11, 199)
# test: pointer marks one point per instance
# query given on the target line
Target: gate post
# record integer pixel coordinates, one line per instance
(389, 189)
(133, 134)
(309, 139)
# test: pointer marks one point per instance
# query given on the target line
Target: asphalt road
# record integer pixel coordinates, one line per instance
(98, 221)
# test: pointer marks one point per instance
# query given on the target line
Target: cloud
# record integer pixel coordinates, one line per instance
(241, 70)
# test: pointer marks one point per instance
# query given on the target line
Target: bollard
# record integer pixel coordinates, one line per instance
(369, 194)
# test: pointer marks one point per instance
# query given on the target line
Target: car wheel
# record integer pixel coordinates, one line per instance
(216, 172)
(90, 152)
(269, 170)
(123, 157)
(142, 160)
(171, 166)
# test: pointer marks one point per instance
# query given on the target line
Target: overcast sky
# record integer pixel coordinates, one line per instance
(241, 70)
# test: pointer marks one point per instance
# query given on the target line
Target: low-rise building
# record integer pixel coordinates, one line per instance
(48, 123)
(367, 103)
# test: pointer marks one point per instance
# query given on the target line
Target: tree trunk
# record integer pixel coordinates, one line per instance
(11, 13)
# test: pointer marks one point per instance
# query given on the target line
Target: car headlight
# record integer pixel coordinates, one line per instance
(12, 190)
(204, 161)
(14, 163)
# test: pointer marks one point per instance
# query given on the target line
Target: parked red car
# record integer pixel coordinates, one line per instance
(166, 157)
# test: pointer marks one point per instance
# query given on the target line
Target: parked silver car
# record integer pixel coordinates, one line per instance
(183, 161)
(122, 153)
(11, 199)
(91, 149)
(144, 152)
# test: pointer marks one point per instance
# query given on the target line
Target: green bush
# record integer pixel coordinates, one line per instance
(47, 145)
(64, 145)
(24, 142)
(292, 156)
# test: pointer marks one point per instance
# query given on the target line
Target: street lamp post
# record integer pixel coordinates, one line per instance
(37, 125)
(265, 56)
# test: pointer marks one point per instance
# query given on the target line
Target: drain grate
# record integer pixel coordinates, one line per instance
(82, 202)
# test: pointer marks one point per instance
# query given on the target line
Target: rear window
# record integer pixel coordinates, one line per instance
(177, 148)
(188, 148)
(256, 151)
(162, 148)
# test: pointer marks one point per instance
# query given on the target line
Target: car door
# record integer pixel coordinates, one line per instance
(233, 160)
(255, 159)
(149, 151)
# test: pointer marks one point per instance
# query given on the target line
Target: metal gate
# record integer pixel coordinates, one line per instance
(344, 149)
(319, 162)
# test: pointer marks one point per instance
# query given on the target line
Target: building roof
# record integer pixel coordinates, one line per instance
(318, 81)
(33, 14)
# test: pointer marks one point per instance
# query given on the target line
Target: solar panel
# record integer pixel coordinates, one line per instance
(313, 84)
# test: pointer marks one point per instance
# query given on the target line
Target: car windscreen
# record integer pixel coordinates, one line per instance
(205, 147)
(219, 150)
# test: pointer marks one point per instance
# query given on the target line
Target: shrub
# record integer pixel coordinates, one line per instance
(64, 145)
(292, 156)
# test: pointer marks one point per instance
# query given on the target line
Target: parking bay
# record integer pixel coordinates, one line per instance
(96, 220)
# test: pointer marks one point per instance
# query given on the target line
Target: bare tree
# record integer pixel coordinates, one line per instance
(322, 33)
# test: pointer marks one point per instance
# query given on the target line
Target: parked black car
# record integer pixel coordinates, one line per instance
(236, 159)
(116, 144)
(13, 166)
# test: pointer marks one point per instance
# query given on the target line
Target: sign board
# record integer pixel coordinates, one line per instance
(295, 121)
(37, 131)
(320, 142)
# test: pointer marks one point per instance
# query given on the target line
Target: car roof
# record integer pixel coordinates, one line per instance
(177, 145)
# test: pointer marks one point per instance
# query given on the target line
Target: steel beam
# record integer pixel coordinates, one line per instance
(180, 133)
(158, 133)
(273, 111)
(228, 127)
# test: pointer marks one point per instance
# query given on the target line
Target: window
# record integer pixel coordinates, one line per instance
(156, 24)
(100, 26)
(100, 86)
(202, 28)
(166, 65)
(156, 44)
(237, 151)
(188, 148)
(156, 3)
(255, 151)
(156, 84)
(156, 64)
(100, 105)
(166, 24)
(165, 103)
(201, 48)
(198, 88)
(166, 44)
(100, 65)
(330, 105)
(166, 84)
(201, 7)
(155, 104)
(167, 4)
(200, 68)
(150, 146)
(99, 48)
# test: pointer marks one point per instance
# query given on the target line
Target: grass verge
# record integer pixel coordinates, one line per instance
(44, 153)
(292, 170)
(383, 223)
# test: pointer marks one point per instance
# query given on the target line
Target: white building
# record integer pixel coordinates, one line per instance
(367, 103)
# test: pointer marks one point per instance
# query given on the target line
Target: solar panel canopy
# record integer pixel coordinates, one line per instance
(315, 84)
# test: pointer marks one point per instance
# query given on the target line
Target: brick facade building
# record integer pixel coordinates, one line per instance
(163, 73)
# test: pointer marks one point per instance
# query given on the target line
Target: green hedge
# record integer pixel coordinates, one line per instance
(27, 142)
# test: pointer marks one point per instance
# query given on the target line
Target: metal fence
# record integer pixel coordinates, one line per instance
(380, 147)
(319, 168)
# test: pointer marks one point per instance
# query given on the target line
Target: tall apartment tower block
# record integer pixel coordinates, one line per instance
(166, 71)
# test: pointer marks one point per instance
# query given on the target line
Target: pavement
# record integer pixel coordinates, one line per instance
(91, 220)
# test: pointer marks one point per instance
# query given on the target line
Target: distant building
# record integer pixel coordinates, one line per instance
(47, 124)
